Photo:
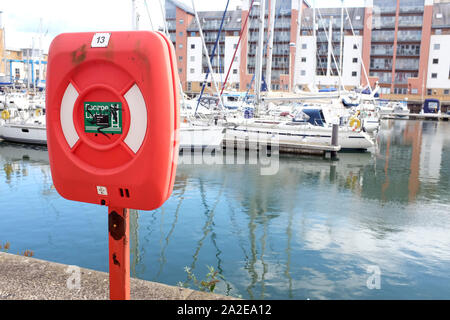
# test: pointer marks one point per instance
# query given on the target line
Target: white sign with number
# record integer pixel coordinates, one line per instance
(100, 40)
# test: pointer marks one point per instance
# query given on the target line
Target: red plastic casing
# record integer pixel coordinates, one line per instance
(135, 168)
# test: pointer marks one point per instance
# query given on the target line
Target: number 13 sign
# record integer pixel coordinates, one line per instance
(100, 40)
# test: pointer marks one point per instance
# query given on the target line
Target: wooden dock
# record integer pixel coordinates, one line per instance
(417, 116)
(297, 148)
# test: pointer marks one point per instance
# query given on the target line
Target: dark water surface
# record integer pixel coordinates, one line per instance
(316, 229)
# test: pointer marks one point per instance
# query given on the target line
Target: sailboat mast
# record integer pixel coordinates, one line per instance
(273, 4)
(330, 45)
(297, 38)
(315, 45)
(40, 51)
(259, 55)
(134, 16)
(341, 47)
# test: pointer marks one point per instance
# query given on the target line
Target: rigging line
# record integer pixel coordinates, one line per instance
(209, 60)
(163, 12)
(328, 39)
(359, 52)
(237, 46)
(148, 14)
(317, 54)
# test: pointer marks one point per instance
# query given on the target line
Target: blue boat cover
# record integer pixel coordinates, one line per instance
(315, 116)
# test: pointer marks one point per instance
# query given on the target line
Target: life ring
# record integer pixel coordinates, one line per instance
(355, 123)
(5, 114)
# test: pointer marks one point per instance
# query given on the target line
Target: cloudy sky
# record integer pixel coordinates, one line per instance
(22, 18)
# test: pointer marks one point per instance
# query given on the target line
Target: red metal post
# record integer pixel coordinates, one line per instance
(119, 253)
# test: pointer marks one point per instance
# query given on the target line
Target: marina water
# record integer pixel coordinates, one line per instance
(369, 226)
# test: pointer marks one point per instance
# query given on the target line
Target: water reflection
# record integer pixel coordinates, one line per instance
(17, 160)
(309, 231)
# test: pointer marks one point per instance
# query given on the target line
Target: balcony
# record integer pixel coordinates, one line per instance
(385, 67)
(387, 22)
(384, 9)
(383, 36)
(409, 37)
(407, 64)
(411, 9)
(383, 77)
(408, 53)
(402, 77)
(382, 52)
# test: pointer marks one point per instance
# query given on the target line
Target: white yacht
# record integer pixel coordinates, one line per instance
(312, 129)
(31, 130)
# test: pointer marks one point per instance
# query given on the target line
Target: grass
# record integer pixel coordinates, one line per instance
(5, 248)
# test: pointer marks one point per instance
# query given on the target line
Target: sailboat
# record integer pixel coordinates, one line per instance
(291, 132)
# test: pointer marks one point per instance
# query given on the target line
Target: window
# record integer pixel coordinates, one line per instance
(302, 72)
(180, 58)
(355, 60)
(189, 86)
(400, 91)
(234, 71)
(192, 70)
(303, 59)
(434, 76)
(181, 21)
(438, 31)
(437, 46)
(192, 34)
(192, 58)
(180, 70)
(234, 45)
(180, 46)
(429, 92)
(237, 86)
(17, 73)
(192, 46)
(180, 33)
(446, 91)
(354, 73)
(355, 47)
(414, 91)
(304, 46)
(435, 61)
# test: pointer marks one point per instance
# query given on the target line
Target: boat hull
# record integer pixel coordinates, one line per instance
(31, 134)
(201, 137)
(348, 140)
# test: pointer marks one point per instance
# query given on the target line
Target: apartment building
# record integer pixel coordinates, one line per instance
(23, 66)
(438, 73)
(192, 64)
(20, 66)
(402, 45)
(319, 58)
